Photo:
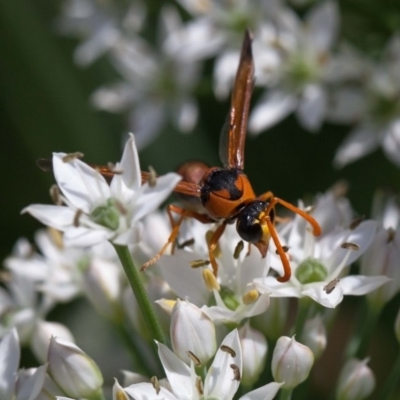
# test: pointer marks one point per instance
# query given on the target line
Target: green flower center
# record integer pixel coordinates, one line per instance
(229, 298)
(301, 70)
(310, 271)
(107, 215)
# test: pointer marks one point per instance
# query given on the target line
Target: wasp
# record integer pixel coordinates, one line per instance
(224, 194)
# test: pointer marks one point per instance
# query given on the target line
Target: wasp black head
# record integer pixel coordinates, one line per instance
(248, 222)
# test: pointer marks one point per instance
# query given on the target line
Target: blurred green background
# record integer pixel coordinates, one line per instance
(44, 108)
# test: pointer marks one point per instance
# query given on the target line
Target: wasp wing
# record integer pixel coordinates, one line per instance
(233, 135)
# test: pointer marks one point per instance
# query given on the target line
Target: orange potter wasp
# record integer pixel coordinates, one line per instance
(225, 195)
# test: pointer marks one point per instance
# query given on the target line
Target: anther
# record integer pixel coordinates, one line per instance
(56, 237)
(238, 249)
(194, 358)
(330, 287)
(357, 221)
(77, 217)
(152, 177)
(250, 297)
(236, 372)
(55, 195)
(284, 248)
(228, 349)
(120, 207)
(350, 246)
(199, 385)
(210, 280)
(186, 243)
(72, 156)
(199, 263)
(156, 384)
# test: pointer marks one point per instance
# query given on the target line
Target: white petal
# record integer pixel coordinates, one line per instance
(82, 185)
(31, 388)
(266, 392)
(186, 113)
(130, 165)
(9, 361)
(275, 288)
(323, 23)
(312, 107)
(358, 285)
(274, 106)
(148, 198)
(146, 121)
(57, 217)
(224, 73)
(84, 237)
(146, 391)
(178, 373)
(318, 294)
(391, 143)
(360, 142)
(129, 237)
(220, 381)
(176, 269)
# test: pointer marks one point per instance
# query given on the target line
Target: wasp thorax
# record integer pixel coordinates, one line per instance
(248, 222)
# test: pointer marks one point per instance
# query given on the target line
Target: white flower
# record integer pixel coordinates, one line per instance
(376, 108)
(303, 50)
(319, 264)
(221, 382)
(95, 211)
(156, 86)
(234, 299)
(14, 385)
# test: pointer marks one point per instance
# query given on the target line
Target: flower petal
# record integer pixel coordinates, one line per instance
(9, 361)
(85, 237)
(31, 387)
(57, 217)
(318, 294)
(358, 285)
(391, 143)
(148, 198)
(146, 391)
(266, 392)
(82, 185)
(274, 106)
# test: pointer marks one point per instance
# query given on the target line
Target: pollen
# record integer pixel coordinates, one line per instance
(210, 280)
(250, 297)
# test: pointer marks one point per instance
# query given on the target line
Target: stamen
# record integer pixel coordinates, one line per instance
(250, 297)
(120, 207)
(199, 263)
(350, 246)
(56, 237)
(72, 156)
(228, 349)
(156, 384)
(284, 248)
(194, 358)
(238, 249)
(199, 385)
(210, 280)
(77, 217)
(330, 287)
(186, 243)
(236, 372)
(55, 195)
(353, 224)
(152, 177)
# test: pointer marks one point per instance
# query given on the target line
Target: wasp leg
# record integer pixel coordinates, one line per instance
(213, 244)
(175, 229)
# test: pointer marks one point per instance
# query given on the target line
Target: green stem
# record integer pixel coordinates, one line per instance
(145, 305)
(285, 394)
(359, 343)
(393, 380)
(99, 395)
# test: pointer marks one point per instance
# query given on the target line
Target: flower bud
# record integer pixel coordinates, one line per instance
(73, 370)
(291, 362)
(397, 327)
(356, 381)
(42, 334)
(192, 331)
(102, 284)
(119, 392)
(254, 347)
(314, 336)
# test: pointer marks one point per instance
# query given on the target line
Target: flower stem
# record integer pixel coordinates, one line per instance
(285, 394)
(392, 381)
(145, 305)
(99, 395)
(359, 343)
